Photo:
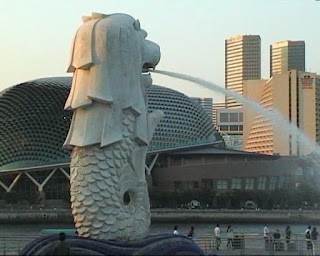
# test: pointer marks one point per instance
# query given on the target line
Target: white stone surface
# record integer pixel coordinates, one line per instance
(111, 127)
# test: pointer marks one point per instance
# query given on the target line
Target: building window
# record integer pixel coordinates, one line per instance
(234, 117)
(207, 183)
(195, 184)
(222, 184)
(249, 183)
(236, 183)
(224, 117)
(233, 127)
(177, 185)
(262, 184)
(241, 128)
(176, 161)
(187, 160)
(224, 127)
(273, 182)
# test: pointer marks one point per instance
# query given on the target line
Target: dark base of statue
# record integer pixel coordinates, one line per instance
(161, 244)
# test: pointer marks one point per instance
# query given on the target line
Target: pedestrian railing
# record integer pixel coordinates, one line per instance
(256, 245)
(245, 244)
(13, 244)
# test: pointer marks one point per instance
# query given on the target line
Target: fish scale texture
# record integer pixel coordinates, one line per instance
(98, 181)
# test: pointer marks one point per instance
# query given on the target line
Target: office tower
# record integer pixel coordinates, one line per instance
(296, 95)
(242, 62)
(287, 55)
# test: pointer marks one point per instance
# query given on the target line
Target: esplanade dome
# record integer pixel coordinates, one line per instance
(34, 125)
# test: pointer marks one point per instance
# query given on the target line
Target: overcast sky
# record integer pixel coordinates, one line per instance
(36, 35)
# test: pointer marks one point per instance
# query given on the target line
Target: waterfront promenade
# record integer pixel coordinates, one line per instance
(245, 244)
(162, 215)
(236, 216)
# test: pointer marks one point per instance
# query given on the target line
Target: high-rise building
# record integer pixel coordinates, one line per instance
(296, 96)
(287, 55)
(205, 103)
(242, 62)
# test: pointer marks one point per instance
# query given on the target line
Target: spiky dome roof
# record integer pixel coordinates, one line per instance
(34, 125)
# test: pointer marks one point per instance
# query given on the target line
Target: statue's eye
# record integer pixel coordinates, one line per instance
(136, 25)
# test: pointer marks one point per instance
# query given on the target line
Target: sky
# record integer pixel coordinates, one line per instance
(36, 35)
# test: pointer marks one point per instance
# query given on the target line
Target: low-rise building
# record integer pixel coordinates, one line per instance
(230, 125)
(225, 170)
(215, 108)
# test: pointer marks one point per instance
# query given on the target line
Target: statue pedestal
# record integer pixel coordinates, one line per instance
(160, 244)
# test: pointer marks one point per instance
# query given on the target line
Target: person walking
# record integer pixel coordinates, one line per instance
(266, 237)
(61, 248)
(288, 235)
(175, 230)
(217, 233)
(276, 239)
(308, 239)
(266, 232)
(230, 237)
(191, 232)
(314, 236)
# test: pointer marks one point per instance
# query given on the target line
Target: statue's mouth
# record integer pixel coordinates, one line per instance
(151, 58)
(146, 76)
(147, 67)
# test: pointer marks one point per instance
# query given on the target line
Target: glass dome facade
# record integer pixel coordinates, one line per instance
(34, 125)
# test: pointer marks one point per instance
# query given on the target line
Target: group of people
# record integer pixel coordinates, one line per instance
(217, 235)
(311, 236)
(190, 233)
(271, 238)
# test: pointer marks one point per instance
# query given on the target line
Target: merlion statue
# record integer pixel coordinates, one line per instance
(111, 128)
(109, 136)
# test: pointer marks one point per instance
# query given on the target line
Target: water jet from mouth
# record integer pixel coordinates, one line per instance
(273, 115)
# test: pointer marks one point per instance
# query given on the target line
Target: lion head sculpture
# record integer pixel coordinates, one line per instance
(108, 56)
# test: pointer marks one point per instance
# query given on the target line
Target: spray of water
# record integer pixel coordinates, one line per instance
(277, 119)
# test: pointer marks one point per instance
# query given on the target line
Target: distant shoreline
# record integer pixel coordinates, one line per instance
(24, 216)
(236, 216)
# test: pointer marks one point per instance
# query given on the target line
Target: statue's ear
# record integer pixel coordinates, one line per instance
(136, 25)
